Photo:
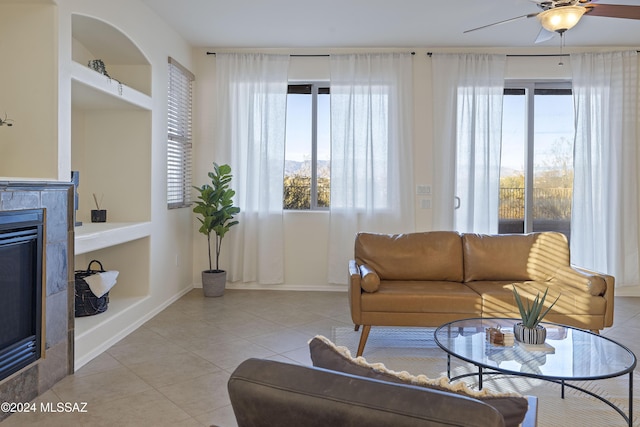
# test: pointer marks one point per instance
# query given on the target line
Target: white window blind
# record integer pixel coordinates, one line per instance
(179, 136)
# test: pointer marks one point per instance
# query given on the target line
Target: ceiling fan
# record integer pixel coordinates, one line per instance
(558, 16)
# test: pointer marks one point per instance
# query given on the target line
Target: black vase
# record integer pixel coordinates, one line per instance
(98, 215)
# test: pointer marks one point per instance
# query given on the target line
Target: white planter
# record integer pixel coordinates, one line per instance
(536, 335)
(213, 283)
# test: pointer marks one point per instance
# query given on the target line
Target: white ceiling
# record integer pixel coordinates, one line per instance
(378, 23)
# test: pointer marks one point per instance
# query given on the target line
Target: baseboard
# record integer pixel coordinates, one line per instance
(283, 287)
(628, 291)
(625, 291)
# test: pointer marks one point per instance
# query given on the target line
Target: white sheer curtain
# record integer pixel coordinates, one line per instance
(252, 100)
(604, 220)
(467, 122)
(371, 151)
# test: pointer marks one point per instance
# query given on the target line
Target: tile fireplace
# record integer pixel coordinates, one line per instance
(21, 243)
(36, 226)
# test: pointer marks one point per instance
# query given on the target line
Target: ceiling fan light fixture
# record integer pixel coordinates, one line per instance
(561, 18)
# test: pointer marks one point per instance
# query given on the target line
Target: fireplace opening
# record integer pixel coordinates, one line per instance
(21, 253)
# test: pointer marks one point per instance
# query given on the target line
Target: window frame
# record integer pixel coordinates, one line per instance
(179, 135)
(315, 88)
(531, 88)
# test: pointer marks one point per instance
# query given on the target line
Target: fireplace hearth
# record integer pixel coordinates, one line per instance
(21, 255)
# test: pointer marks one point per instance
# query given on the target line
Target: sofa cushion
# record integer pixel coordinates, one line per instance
(325, 354)
(517, 257)
(370, 281)
(498, 299)
(434, 255)
(400, 296)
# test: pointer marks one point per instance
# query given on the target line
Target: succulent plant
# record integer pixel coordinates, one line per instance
(532, 313)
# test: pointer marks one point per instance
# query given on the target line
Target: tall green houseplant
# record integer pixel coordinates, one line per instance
(215, 209)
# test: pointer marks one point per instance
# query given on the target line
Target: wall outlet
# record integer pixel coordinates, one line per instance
(425, 203)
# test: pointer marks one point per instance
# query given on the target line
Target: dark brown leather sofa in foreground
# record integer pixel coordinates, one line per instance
(267, 393)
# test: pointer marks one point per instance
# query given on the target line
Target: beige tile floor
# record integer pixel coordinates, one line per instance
(173, 370)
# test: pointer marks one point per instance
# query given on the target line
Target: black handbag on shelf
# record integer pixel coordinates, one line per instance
(87, 304)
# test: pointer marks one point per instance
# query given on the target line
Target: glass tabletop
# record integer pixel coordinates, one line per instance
(569, 353)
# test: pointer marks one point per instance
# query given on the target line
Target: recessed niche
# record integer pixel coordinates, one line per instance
(94, 39)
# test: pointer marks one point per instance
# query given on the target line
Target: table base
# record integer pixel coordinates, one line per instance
(563, 383)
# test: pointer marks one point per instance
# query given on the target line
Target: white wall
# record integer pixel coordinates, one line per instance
(306, 233)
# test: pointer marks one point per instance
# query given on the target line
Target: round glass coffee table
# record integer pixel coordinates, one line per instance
(569, 354)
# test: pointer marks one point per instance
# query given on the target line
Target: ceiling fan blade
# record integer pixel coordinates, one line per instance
(614, 11)
(544, 35)
(531, 15)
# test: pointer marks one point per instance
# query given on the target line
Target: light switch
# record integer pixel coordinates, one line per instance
(423, 190)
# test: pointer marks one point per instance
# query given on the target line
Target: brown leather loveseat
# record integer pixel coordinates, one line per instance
(430, 278)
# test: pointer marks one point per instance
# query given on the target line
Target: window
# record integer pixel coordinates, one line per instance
(536, 176)
(179, 136)
(308, 147)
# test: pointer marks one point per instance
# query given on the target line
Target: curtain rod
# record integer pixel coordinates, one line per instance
(310, 55)
(429, 54)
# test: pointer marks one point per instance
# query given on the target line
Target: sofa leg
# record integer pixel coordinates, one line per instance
(363, 339)
(356, 328)
(595, 331)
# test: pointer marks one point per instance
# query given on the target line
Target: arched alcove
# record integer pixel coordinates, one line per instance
(94, 39)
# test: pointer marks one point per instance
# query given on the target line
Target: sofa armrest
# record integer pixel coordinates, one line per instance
(354, 271)
(354, 291)
(608, 293)
(590, 282)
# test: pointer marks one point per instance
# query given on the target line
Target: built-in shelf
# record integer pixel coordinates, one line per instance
(90, 87)
(123, 247)
(99, 235)
(111, 133)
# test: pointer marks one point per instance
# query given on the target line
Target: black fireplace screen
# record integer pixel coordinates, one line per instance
(21, 243)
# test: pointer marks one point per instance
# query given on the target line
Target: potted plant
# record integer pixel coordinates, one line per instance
(216, 215)
(529, 330)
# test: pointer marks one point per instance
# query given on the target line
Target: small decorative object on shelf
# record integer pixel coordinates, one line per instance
(6, 121)
(97, 214)
(92, 290)
(98, 65)
(529, 331)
